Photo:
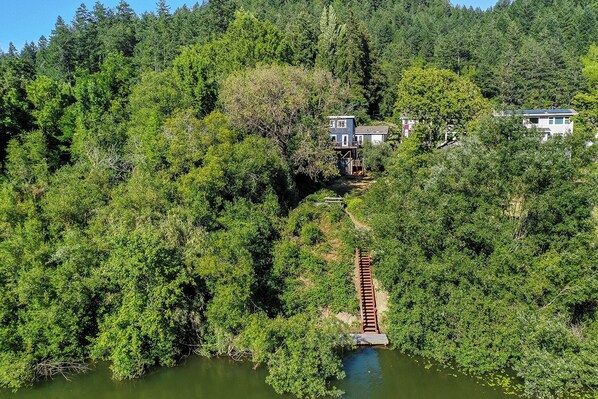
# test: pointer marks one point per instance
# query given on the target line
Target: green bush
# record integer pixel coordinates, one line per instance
(355, 206)
(311, 234)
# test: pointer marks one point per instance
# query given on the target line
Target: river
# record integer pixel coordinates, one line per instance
(371, 374)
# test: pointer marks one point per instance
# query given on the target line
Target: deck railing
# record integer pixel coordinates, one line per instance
(353, 143)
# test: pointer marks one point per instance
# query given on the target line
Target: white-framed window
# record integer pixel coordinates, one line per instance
(332, 124)
(341, 123)
(533, 121)
(559, 120)
(360, 139)
(345, 140)
(333, 138)
(567, 120)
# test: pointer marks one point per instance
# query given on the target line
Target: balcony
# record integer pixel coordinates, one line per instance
(352, 144)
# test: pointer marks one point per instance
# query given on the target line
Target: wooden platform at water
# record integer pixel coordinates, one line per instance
(370, 339)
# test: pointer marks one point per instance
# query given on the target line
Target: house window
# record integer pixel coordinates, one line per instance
(558, 120)
(333, 138)
(341, 124)
(533, 121)
(360, 139)
(567, 120)
(345, 140)
(331, 123)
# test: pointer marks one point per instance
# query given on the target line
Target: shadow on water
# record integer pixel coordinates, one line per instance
(371, 374)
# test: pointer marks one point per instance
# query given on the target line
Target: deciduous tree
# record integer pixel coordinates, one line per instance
(443, 102)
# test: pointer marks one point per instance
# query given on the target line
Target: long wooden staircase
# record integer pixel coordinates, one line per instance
(367, 296)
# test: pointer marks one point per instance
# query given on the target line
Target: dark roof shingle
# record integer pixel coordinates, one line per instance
(371, 130)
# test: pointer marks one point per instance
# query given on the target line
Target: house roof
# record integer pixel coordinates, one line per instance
(371, 130)
(541, 112)
(341, 117)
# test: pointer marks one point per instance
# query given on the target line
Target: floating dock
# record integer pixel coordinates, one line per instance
(370, 339)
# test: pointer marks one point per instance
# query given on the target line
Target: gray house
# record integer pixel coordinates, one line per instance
(348, 138)
(553, 122)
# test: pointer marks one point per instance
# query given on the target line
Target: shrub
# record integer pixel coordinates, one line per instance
(311, 234)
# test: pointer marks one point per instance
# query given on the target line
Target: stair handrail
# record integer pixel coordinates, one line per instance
(374, 300)
(359, 280)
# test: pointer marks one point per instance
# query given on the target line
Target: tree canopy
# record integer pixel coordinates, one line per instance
(157, 170)
(441, 101)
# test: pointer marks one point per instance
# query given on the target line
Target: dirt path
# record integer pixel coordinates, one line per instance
(342, 187)
(358, 225)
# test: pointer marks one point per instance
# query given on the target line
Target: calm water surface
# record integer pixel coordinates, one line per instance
(371, 374)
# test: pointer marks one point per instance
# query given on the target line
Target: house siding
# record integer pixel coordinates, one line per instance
(541, 119)
(338, 133)
(373, 138)
(544, 123)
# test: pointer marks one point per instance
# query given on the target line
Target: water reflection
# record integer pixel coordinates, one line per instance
(389, 374)
(364, 373)
(371, 374)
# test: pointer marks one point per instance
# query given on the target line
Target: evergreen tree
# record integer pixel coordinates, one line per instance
(121, 35)
(61, 52)
(328, 39)
(220, 13)
(302, 38)
(355, 65)
(84, 40)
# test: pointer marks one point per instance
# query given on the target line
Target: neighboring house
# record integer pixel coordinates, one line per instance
(551, 121)
(371, 134)
(348, 138)
(408, 125)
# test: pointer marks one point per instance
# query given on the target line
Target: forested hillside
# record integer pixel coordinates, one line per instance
(155, 170)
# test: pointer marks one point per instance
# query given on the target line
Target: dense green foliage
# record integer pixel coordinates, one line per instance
(151, 164)
(139, 224)
(491, 257)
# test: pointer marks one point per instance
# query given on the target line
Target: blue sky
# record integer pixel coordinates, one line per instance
(26, 20)
(483, 4)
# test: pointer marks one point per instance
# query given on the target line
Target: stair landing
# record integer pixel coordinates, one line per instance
(370, 339)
